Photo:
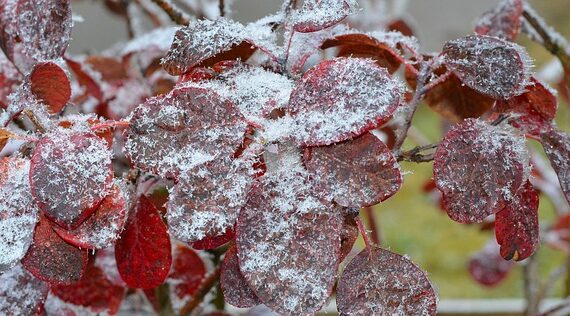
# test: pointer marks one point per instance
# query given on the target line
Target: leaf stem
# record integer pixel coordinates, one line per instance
(30, 114)
(208, 283)
(175, 14)
(375, 232)
(364, 234)
(222, 6)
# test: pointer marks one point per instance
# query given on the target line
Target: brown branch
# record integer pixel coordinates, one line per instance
(173, 12)
(30, 114)
(415, 154)
(222, 6)
(375, 232)
(204, 289)
(364, 234)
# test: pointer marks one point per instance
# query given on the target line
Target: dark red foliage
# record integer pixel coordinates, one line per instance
(557, 147)
(355, 173)
(85, 79)
(51, 259)
(380, 282)
(235, 288)
(50, 85)
(21, 293)
(504, 21)
(479, 168)
(93, 291)
(143, 251)
(187, 272)
(516, 226)
(214, 242)
(487, 267)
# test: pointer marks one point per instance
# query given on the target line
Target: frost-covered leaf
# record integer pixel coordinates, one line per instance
(18, 212)
(10, 78)
(207, 199)
(102, 228)
(533, 111)
(207, 243)
(50, 85)
(183, 129)
(504, 21)
(51, 259)
(492, 66)
(380, 282)
(516, 226)
(355, 173)
(316, 15)
(93, 291)
(70, 175)
(235, 288)
(187, 271)
(21, 293)
(557, 147)
(479, 168)
(487, 267)
(342, 98)
(143, 252)
(38, 29)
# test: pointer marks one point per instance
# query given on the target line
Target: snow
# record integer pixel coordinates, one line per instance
(20, 292)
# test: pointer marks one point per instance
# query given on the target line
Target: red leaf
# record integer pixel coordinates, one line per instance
(70, 175)
(494, 67)
(316, 15)
(516, 226)
(93, 291)
(214, 242)
(487, 267)
(533, 111)
(504, 21)
(187, 272)
(21, 293)
(85, 78)
(557, 147)
(479, 168)
(18, 212)
(355, 173)
(380, 282)
(183, 129)
(50, 85)
(143, 252)
(51, 259)
(103, 227)
(235, 288)
(342, 98)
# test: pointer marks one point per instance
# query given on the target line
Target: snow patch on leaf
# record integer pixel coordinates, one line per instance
(21, 293)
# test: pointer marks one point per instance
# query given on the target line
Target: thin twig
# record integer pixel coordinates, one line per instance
(222, 6)
(204, 289)
(173, 12)
(30, 114)
(530, 275)
(375, 232)
(364, 234)
(415, 154)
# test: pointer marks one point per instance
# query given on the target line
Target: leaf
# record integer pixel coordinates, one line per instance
(21, 293)
(51, 259)
(10, 77)
(208, 243)
(70, 175)
(235, 288)
(504, 21)
(105, 260)
(50, 85)
(101, 229)
(38, 29)
(487, 267)
(494, 67)
(479, 168)
(187, 272)
(534, 111)
(348, 236)
(93, 291)
(288, 245)
(183, 129)
(316, 15)
(557, 147)
(355, 173)
(143, 252)
(516, 226)
(84, 76)
(380, 282)
(18, 212)
(342, 98)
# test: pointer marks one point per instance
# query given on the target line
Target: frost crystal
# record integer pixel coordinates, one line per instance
(316, 15)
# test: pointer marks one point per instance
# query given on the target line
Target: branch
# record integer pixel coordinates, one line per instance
(530, 277)
(375, 232)
(364, 234)
(173, 12)
(30, 114)
(204, 289)
(415, 154)
(222, 6)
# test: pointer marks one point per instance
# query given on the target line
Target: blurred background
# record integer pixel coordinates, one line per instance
(410, 222)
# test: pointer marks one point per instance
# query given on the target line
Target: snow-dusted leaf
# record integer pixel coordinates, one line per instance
(487, 267)
(207, 199)
(50, 85)
(533, 111)
(355, 173)
(342, 98)
(380, 282)
(70, 175)
(143, 252)
(183, 129)
(316, 15)
(187, 272)
(557, 147)
(51, 259)
(93, 291)
(492, 66)
(516, 226)
(102, 228)
(479, 168)
(10, 78)
(504, 21)
(21, 293)
(235, 288)
(18, 212)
